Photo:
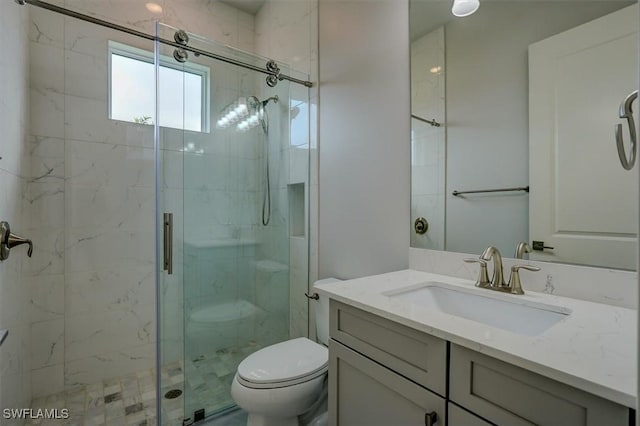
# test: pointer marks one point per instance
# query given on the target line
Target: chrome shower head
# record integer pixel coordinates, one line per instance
(274, 98)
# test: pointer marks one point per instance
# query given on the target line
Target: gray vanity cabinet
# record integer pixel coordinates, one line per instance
(384, 373)
(508, 395)
(365, 393)
(459, 417)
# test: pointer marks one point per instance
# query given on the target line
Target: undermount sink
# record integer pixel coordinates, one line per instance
(503, 311)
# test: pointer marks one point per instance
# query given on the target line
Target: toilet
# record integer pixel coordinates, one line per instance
(280, 383)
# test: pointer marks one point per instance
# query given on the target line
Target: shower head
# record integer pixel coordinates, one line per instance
(274, 98)
(245, 113)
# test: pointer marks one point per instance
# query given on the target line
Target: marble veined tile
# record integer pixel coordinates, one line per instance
(47, 380)
(46, 297)
(90, 249)
(77, 67)
(100, 164)
(47, 343)
(47, 113)
(119, 289)
(88, 120)
(44, 203)
(108, 331)
(95, 368)
(46, 28)
(112, 206)
(46, 69)
(48, 252)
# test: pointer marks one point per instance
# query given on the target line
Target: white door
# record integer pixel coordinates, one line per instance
(582, 202)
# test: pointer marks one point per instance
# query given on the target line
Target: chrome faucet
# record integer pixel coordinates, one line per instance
(498, 276)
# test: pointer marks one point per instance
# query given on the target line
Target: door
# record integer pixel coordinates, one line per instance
(582, 202)
(226, 151)
(363, 392)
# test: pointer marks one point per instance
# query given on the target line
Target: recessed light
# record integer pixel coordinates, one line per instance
(153, 7)
(435, 70)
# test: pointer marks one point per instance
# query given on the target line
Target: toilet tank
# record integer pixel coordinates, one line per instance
(322, 312)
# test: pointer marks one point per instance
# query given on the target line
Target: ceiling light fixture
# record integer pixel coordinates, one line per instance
(463, 8)
(153, 8)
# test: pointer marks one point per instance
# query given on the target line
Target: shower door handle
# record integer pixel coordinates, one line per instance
(168, 242)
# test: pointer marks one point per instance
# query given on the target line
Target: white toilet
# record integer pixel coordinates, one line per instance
(281, 382)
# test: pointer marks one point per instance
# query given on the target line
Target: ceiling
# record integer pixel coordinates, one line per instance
(250, 6)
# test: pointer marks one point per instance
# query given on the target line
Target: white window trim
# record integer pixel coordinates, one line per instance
(142, 55)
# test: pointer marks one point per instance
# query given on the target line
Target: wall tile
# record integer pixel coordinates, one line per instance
(47, 297)
(47, 343)
(47, 380)
(105, 331)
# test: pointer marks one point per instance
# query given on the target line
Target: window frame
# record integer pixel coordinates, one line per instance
(135, 53)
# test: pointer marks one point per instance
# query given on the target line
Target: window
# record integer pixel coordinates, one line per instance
(183, 90)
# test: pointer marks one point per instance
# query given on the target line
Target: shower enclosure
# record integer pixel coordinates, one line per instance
(126, 126)
(230, 209)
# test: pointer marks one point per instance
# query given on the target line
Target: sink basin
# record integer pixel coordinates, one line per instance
(498, 310)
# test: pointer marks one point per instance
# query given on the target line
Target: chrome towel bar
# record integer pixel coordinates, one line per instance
(520, 188)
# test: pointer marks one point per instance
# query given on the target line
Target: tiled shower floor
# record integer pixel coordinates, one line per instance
(130, 400)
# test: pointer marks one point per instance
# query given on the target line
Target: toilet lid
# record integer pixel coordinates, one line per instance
(284, 362)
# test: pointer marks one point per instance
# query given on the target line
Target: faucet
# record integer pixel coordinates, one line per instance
(497, 282)
(522, 248)
(489, 253)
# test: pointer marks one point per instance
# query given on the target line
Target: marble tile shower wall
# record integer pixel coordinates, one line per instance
(428, 144)
(91, 195)
(287, 31)
(15, 385)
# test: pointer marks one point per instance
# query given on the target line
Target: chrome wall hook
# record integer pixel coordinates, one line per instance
(626, 112)
(9, 240)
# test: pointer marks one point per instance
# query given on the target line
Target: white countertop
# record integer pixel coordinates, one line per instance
(593, 348)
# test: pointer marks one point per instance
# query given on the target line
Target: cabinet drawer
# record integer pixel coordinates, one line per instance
(363, 392)
(509, 395)
(413, 354)
(458, 417)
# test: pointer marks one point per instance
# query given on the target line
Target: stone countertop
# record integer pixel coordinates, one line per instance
(593, 348)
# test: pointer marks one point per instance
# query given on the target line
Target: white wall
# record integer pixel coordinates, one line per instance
(364, 137)
(15, 370)
(487, 115)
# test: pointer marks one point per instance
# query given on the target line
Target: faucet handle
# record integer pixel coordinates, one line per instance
(515, 285)
(483, 275)
(9, 240)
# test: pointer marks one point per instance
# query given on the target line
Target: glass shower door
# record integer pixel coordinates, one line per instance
(225, 163)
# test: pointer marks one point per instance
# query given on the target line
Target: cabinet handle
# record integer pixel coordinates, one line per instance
(430, 419)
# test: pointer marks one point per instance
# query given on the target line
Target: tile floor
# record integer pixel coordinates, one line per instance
(130, 400)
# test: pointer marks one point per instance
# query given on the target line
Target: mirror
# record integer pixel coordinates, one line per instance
(522, 96)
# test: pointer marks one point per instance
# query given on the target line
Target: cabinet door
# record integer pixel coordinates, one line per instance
(508, 395)
(363, 392)
(459, 417)
(404, 350)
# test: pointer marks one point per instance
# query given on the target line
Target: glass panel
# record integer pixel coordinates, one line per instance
(238, 193)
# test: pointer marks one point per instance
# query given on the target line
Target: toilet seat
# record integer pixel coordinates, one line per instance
(284, 364)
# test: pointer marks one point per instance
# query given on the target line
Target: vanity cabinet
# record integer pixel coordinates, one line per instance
(364, 392)
(459, 416)
(384, 373)
(508, 395)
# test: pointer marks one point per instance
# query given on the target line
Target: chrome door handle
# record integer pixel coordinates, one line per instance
(168, 242)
